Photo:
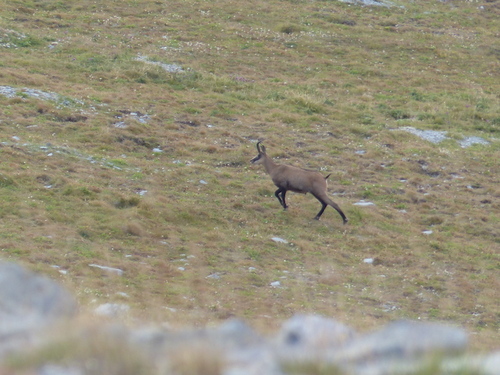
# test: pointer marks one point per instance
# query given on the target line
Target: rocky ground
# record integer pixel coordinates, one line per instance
(33, 306)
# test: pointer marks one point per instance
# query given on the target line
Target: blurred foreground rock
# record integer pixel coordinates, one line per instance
(306, 344)
(29, 303)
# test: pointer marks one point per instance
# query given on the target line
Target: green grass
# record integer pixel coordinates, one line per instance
(317, 83)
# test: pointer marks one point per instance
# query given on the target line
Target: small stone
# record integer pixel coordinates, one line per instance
(112, 309)
(279, 240)
(214, 276)
(108, 269)
(364, 203)
(427, 232)
(275, 284)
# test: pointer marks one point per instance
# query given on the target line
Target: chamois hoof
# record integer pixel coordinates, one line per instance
(345, 221)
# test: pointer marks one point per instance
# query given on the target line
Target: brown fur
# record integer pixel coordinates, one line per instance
(298, 180)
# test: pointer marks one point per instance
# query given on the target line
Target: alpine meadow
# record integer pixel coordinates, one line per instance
(126, 133)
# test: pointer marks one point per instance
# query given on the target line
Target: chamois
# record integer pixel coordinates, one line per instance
(298, 180)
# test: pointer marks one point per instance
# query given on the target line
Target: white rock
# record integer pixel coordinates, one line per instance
(111, 309)
(275, 284)
(108, 269)
(364, 203)
(279, 240)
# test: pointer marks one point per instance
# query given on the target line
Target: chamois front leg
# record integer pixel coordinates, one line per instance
(280, 194)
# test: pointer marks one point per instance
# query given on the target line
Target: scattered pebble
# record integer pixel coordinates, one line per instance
(360, 152)
(279, 240)
(203, 182)
(275, 284)
(157, 150)
(214, 276)
(368, 260)
(63, 272)
(379, 3)
(171, 68)
(121, 125)
(112, 309)
(108, 269)
(427, 232)
(364, 203)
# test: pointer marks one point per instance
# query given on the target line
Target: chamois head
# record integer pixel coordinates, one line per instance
(262, 153)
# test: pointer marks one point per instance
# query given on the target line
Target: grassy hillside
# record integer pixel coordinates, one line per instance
(141, 160)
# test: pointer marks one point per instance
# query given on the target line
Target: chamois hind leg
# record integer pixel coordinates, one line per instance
(280, 194)
(324, 203)
(335, 205)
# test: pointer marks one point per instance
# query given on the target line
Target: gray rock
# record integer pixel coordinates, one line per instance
(433, 136)
(171, 68)
(112, 309)
(364, 203)
(116, 271)
(380, 3)
(28, 304)
(469, 141)
(234, 343)
(52, 369)
(400, 347)
(406, 339)
(310, 337)
(279, 240)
